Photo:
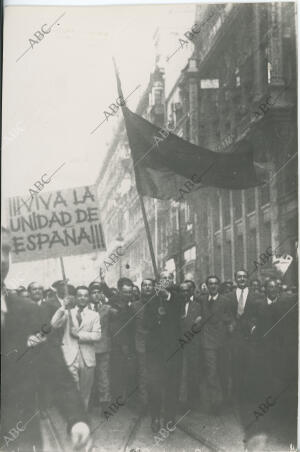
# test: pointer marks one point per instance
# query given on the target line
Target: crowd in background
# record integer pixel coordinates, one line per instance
(165, 349)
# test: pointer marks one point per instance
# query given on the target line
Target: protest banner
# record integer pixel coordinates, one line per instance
(55, 224)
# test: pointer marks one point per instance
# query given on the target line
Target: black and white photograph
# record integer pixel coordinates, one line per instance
(149, 226)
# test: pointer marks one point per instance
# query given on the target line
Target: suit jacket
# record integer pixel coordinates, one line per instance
(215, 320)
(89, 333)
(138, 311)
(22, 369)
(122, 324)
(188, 322)
(162, 322)
(277, 323)
(244, 323)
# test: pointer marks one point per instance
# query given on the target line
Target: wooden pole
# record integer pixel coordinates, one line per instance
(148, 234)
(66, 289)
(140, 196)
(63, 274)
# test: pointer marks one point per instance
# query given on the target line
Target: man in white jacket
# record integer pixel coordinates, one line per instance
(82, 330)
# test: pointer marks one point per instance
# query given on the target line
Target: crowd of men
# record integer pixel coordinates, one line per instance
(165, 349)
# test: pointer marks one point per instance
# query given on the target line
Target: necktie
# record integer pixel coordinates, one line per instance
(187, 304)
(79, 317)
(241, 303)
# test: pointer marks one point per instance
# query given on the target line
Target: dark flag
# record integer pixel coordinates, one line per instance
(163, 162)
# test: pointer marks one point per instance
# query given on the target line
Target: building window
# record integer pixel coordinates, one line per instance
(250, 200)
(237, 203)
(227, 260)
(226, 207)
(237, 78)
(218, 260)
(239, 257)
(190, 254)
(266, 237)
(269, 67)
(265, 194)
(251, 248)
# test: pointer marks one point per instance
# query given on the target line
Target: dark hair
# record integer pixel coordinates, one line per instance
(241, 270)
(71, 289)
(149, 279)
(81, 288)
(189, 281)
(124, 282)
(30, 284)
(20, 288)
(95, 285)
(272, 278)
(212, 276)
(255, 280)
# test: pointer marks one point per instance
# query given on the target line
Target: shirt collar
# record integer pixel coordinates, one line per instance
(61, 300)
(245, 291)
(269, 301)
(84, 309)
(3, 303)
(210, 297)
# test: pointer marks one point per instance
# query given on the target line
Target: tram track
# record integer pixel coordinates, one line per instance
(136, 436)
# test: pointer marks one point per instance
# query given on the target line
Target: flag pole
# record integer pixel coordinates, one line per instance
(145, 219)
(66, 289)
(148, 234)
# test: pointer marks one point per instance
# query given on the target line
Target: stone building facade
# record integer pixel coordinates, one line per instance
(239, 84)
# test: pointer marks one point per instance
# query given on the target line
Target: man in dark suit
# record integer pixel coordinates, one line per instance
(171, 308)
(152, 326)
(161, 321)
(190, 319)
(243, 306)
(122, 327)
(138, 310)
(26, 356)
(214, 336)
(277, 352)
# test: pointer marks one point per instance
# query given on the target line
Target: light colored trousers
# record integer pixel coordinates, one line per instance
(84, 377)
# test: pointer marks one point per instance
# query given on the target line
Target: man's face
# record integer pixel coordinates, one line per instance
(95, 296)
(147, 288)
(61, 290)
(126, 292)
(255, 286)
(36, 292)
(191, 287)
(24, 293)
(166, 280)
(82, 297)
(241, 279)
(5, 255)
(272, 289)
(213, 286)
(185, 290)
(204, 288)
(279, 284)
